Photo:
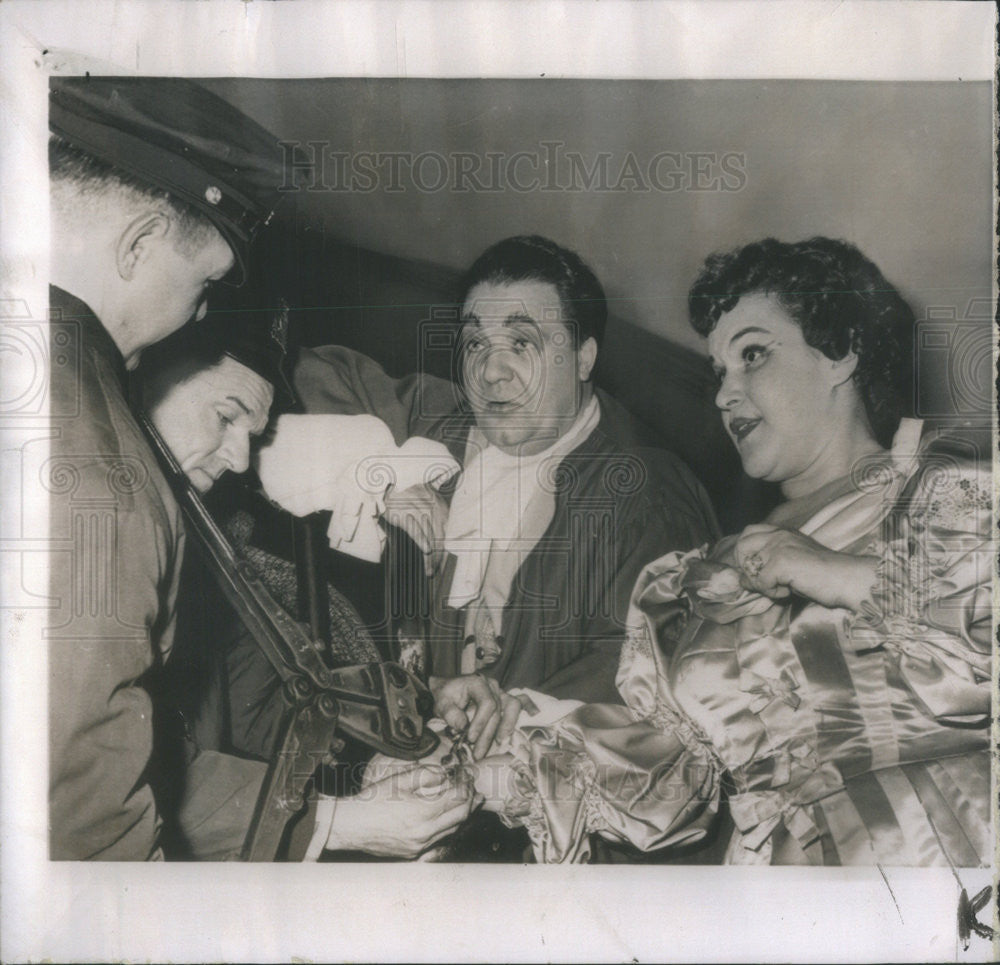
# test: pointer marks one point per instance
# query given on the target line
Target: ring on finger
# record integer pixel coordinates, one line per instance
(753, 564)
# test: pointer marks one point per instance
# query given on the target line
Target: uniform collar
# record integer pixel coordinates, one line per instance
(94, 336)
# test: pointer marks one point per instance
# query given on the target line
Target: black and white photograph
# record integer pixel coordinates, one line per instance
(498, 481)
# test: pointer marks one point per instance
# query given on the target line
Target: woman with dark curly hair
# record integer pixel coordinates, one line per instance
(830, 667)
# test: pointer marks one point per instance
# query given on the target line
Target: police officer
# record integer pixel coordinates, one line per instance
(158, 189)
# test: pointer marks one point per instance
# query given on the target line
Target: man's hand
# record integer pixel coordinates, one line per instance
(403, 814)
(421, 512)
(493, 712)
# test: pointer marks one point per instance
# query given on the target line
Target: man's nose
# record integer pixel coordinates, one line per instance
(498, 365)
(236, 449)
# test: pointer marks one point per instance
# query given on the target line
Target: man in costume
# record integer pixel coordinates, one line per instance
(559, 505)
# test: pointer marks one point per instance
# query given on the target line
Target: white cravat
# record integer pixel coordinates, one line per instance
(503, 504)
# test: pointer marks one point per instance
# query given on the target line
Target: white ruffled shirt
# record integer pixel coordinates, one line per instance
(501, 508)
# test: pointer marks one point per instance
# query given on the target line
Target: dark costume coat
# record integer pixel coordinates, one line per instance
(619, 505)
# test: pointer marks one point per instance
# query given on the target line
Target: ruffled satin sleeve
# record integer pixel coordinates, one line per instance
(930, 606)
(638, 773)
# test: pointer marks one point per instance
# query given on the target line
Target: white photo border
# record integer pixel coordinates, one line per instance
(108, 912)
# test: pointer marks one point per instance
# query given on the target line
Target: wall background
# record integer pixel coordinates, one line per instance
(903, 170)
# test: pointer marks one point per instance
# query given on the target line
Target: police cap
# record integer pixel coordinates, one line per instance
(173, 134)
(250, 324)
(243, 323)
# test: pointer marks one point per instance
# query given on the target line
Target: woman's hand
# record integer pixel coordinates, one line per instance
(494, 781)
(779, 562)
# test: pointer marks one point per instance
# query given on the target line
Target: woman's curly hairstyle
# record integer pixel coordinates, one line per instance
(840, 300)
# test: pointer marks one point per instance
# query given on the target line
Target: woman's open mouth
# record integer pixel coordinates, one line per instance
(741, 428)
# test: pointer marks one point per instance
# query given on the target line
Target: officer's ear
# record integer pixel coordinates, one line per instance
(137, 242)
(586, 357)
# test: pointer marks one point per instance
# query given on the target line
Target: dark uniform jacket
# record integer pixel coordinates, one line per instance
(118, 540)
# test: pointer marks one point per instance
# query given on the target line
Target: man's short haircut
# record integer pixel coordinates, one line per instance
(176, 359)
(534, 258)
(248, 324)
(92, 179)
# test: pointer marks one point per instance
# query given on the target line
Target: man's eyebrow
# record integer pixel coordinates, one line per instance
(520, 318)
(261, 418)
(514, 318)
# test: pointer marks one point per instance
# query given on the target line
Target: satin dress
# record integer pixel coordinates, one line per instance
(840, 738)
